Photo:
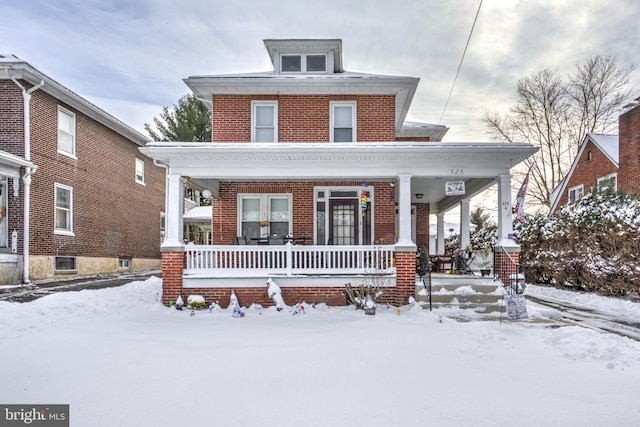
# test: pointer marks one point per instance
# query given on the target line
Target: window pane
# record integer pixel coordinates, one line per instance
(63, 199)
(251, 209)
(316, 63)
(65, 141)
(264, 115)
(279, 210)
(264, 135)
(62, 219)
(342, 117)
(65, 122)
(251, 229)
(342, 135)
(291, 63)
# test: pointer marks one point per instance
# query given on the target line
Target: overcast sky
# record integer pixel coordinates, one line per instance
(129, 56)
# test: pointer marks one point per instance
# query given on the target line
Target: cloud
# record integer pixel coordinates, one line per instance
(139, 51)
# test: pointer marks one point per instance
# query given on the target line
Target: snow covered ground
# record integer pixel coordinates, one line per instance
(120, 358)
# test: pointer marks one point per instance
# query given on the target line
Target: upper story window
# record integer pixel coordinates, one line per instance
(140, 171)
(608, 183)
(343, 121)
(63, 218)
(264, 121)
(303, 63)
(66, 132)
(576, 193)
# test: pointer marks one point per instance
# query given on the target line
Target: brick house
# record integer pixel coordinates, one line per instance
(316, 179)
(77, 196)
(604, 161)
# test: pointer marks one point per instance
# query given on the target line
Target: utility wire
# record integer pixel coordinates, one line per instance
(461, 59)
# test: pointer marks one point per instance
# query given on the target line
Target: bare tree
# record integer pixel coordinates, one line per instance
(556, 114)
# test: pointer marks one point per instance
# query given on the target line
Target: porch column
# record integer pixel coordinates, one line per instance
(404, 212)
(405, 255)
(505, 214)
(465, 235)
(440, 234)
(174, 234)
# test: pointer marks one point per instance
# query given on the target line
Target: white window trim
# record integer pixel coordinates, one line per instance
(303, 63)
(254, 105)
(264, 207)
(608, 177)
(63, 232)
(72, 270)
(573, 189)
(73, 136)
(139, 162)
(353, 106)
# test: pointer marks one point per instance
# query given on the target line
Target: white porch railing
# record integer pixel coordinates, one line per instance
(288, 260)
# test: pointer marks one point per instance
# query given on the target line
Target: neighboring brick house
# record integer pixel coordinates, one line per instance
(324, 155)
(604, 161)
(74, 182)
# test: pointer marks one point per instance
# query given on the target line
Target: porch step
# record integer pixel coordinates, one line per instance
(478, 294)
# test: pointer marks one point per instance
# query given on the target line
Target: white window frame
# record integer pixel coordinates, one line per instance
(606, 178)
(72, 132)
(353, 105)
(573, 191)
(254, 116)
(265, 211)
(124, 263)
(63, 231)
(303, 63)
(139, 171)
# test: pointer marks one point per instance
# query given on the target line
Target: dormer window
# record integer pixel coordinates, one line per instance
(303, 63)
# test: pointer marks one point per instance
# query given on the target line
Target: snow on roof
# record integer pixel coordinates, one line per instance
(608, 144)
(198, 214)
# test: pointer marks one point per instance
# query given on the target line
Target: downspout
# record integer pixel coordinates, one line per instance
(26, 178)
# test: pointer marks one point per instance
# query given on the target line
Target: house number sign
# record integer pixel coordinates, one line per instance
(454, 188)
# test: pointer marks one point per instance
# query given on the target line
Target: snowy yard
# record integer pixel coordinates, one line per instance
(120, 358)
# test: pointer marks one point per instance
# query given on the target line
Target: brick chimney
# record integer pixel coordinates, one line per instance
(629, 146)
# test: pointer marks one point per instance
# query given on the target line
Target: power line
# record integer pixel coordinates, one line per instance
(461, 59)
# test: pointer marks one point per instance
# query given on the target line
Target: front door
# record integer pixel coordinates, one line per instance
(343, 222)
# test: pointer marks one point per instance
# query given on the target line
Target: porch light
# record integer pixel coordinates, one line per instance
(206, 194)
(419, 196)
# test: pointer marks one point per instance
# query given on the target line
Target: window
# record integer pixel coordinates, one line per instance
(576, 193)
(264, 120)
(65, 264)
(140, 171)
(608, 183)
(64, 210)
(66, 132)
(343, 119)
(264, 215)
(589, 156)
(304, 63)
(124, 263)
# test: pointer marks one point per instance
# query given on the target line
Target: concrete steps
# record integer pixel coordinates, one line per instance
(479, 294)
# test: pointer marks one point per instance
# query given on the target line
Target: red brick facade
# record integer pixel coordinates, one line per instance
(303, 118)
(113, 216)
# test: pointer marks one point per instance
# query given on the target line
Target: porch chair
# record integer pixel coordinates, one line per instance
(240, 240)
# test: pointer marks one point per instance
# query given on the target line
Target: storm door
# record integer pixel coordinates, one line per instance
(343, 221)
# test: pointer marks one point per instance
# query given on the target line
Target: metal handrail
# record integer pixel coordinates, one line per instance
(506, 270)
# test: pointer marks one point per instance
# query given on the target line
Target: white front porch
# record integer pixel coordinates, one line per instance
(289, 265)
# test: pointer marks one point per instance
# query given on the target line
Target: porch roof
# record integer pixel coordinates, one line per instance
(429, 163)
(10, 164)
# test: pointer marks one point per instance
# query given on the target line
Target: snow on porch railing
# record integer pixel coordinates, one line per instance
(289, 260)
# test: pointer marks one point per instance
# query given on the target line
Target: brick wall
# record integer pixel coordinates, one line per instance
(303, 118)
(172, 265)
(112, 215)
(224, 224)
(588, 171)
(629, 140)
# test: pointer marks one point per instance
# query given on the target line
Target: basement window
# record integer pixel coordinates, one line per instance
(65, 264)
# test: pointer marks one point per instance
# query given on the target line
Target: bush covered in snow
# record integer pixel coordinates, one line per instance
(590, 245)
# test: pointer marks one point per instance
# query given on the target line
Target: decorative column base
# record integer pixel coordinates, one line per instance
(173, 264)
(405, 276)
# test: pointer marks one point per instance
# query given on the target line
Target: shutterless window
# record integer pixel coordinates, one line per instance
(576, 193)
(291, 63)
(140, 171)
(65, 264)
(265, 121)
(64, 209)
(607, 183)
(307, 63)
(343, 122)
(66, 132)
(316, 63)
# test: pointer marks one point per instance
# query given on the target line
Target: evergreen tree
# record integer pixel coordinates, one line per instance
(188, 121)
